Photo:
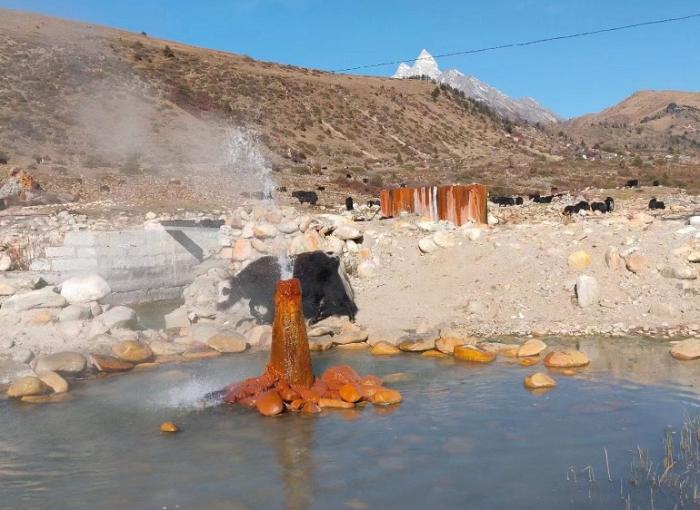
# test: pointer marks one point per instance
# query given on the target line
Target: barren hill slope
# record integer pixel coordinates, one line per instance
(647, 121)
(85, 105)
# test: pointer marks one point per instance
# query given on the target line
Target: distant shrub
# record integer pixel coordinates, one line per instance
(637, 162)
(435, 93)
(168, 52)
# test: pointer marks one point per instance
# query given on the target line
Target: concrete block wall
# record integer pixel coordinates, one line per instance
(140, 265)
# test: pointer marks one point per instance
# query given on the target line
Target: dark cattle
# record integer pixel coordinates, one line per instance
(402, 185)
(656, 204)
(518, 200)
(657, 183)
(503, 201)
(575, 209)
(632, 183)
(306, 197)
(372, 203)
(3, 161)
(365, 180)
(610, 204)
(545, 200)
(583, 206)
(349, 204)
(534, 197)
(324, 287)
(320, 188)
(599, 206)
(570, 209)
(348, 176)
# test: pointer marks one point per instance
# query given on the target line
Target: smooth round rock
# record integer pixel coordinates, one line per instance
(110, 364)
(332, 403)
(686, 350)
(28, 386)
(132, 351)
(347, 233)
(57, 383)
(350, 393)
(385, 397)
(532, 347)
(62, 362)
(539, 381)
(269, 403)
(427, 245)
(83, 289)
(384, 349)
(473, 354)
(169, 427)
(579, 260)
(228, 343)
(566, 359)
(635, 263)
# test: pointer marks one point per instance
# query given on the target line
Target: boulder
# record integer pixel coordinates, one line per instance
(427, 245)
(385, 397)
(350, 334)
(83, 289)
(532, 347)
(119, 317)
(264, 231)
(228, 342)
(579, 260)
(132, 351)
(5, 262)
(613, 259)
(62, 362)
(473, 353)
(539, 381)
(57, 383)
(350, 393)
(566, 359)
(687, 349)
(42, 298)
(75, 313)
(384, 349)
(110, 364)
(26, 386)
(347, 232)
(418, 343)
(242, 250)
(444, 239)
(635, 262)
(587, 291)
(269, 403)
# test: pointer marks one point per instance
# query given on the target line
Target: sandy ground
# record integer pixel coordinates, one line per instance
(515, 278)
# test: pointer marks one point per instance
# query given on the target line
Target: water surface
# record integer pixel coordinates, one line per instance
(465, 437)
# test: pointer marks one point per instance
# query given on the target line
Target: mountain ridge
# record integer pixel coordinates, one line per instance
(515, 109)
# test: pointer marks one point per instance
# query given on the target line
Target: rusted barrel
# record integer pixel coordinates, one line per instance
(456, 203)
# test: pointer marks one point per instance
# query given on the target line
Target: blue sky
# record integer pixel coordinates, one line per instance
(572, 77)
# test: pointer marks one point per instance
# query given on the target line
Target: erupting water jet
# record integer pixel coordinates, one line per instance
(288, 382)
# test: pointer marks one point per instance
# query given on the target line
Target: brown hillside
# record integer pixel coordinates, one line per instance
(87, 105)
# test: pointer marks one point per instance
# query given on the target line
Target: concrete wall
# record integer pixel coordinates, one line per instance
(140, 265)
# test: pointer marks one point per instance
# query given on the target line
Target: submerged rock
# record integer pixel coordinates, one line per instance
(269, 403)
(687, 349)
(532, 347)
(385, 397)
(539, 381)
(27, 386)
(384, 348)
(473, 353)
(566, 359)
(169, 427)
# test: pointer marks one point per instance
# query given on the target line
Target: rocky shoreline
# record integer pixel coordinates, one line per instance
(529, 274)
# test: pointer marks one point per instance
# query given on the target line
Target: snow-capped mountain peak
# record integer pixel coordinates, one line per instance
(424, 65)
(524, 109)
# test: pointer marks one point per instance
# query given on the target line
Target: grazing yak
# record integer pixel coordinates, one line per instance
(310, 197)
(506, 201)
(325, 288)
(656, 204)
(349, 205)
(632, 183)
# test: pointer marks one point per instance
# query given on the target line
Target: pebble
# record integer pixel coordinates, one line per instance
(385, 397)
(169, 427)
(532, 347)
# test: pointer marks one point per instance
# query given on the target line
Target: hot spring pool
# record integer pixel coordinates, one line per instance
(465, 437)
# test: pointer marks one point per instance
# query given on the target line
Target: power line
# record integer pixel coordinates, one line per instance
(524, 43)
